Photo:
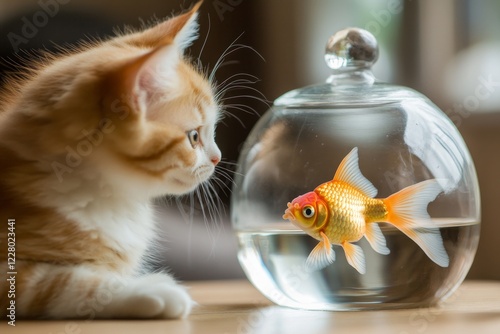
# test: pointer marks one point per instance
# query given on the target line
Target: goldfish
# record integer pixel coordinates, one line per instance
(343, 210)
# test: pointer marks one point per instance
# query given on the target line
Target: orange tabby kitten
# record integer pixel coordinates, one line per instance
(85, 143)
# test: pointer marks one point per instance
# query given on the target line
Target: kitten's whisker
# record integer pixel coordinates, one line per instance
(219, 174)
(222, 57)
(225, 82)
(221, 120)
(239, 81)
(245, 96)
(213, 211)
(217, 216)
(227, 162)
(180, 206)
(225, 176)
(260, 99)
(227, 171)
(239, 77)
(233, 47)
(191, 206)
(243, 107)
(238, 85)
(203, 211)
(222, 186)
(200, 66)
(235, 117)
(227, 63)
(239, 106)
(243, 75)
(246, 109)
(218, 205)
(221, 100)
(215, 206)
(187, 217)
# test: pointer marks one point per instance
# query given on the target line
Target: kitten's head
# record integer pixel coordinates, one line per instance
(132, 107)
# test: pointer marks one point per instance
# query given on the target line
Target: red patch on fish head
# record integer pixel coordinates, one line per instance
(309, 198)
(302, 210)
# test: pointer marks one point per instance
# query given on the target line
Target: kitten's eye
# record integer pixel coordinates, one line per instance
(194, 137)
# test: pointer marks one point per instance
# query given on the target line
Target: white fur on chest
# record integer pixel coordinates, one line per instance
(126, 226)
(123, 223)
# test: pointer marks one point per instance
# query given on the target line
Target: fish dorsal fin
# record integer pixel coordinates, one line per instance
(350, 173)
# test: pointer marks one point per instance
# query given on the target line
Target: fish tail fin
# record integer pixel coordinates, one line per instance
(407, 210)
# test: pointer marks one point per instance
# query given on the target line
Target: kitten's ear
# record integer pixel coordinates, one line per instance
(145, 79)
(186, 27)
(142, 78)
(180, 30)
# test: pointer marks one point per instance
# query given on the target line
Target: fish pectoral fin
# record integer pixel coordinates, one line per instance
(376, 239)
(355, 256)
(350, 173)
(321, 256)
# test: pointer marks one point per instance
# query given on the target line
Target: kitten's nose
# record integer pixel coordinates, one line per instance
(215, 159)
(215, 155)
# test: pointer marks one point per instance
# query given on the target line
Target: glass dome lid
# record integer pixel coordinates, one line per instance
(350, 53)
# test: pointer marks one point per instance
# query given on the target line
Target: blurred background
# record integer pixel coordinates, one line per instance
(449, 50)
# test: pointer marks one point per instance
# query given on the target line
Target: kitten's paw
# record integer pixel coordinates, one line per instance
(175, 302)
(158, 296)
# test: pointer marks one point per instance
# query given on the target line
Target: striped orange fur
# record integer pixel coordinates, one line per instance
(87, 139)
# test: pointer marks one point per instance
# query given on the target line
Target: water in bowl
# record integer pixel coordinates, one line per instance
(275, 263)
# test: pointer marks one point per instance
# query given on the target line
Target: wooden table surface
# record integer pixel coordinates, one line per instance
(237, 307)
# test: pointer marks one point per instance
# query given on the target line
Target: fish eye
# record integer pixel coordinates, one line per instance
(308, 211)
(194, 137)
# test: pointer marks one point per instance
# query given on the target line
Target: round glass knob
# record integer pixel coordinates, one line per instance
(351, 48)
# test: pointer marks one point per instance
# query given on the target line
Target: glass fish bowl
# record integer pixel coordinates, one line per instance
(396, 139)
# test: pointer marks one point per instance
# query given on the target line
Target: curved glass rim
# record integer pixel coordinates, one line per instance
(355, 95)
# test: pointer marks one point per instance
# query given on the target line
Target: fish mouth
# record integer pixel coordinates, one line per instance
(288, 212)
